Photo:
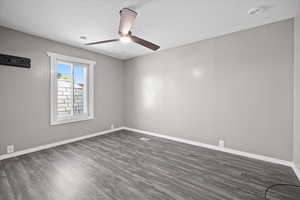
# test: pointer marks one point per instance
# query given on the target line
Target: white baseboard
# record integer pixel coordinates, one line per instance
(209, 146)
(47, 146)
(217, 148)
(296, 170)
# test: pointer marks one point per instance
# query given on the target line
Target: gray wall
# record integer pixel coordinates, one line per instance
(297, 92)
(25, 101)
(238, 87)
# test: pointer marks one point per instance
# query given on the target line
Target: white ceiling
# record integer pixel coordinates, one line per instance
(168, 23)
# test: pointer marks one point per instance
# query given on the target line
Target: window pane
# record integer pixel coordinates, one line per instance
(80, 85)
(64, 90)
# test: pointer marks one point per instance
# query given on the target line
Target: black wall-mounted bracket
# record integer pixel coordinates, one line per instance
(15, 61)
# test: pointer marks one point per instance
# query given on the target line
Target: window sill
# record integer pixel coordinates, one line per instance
(66, 121)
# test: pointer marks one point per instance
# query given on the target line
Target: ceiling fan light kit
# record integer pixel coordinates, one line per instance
(125, 39)
(127, 17)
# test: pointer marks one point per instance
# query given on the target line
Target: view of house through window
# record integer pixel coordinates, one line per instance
(71, 89)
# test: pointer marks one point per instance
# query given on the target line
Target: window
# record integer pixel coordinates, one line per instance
(72, 89)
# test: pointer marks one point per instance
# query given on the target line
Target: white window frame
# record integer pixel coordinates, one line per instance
(54, 59)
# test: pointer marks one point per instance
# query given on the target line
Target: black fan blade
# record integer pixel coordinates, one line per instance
(144, 43)
(101, 42)
(127, 17)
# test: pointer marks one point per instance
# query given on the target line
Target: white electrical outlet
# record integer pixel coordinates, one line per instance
(221, 143)
(10, 149)
(112, 126)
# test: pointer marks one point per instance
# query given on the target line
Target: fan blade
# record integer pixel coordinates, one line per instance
(145, 43)
(101, 42)
(127, 17)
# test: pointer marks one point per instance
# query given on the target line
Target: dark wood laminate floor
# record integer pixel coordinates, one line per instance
(120, 166)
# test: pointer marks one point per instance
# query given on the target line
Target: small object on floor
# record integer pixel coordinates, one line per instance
(145, 139)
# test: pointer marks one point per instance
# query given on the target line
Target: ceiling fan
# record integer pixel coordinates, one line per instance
(127, 17)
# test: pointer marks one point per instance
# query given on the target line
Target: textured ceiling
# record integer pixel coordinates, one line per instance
(168, 23)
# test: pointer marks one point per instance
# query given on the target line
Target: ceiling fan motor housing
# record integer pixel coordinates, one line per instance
(127, 17)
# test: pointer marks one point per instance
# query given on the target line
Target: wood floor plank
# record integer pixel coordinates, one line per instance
(121, 166)
(6, 192)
